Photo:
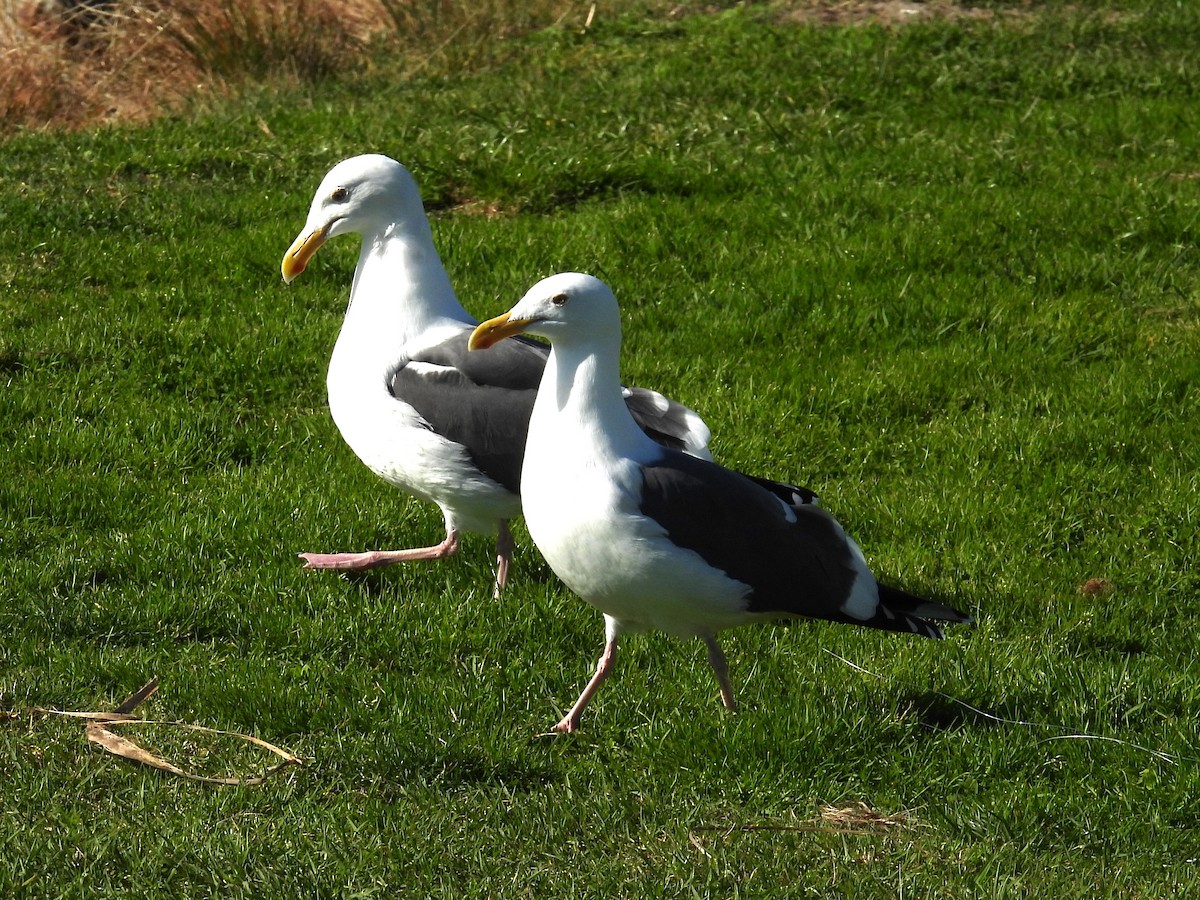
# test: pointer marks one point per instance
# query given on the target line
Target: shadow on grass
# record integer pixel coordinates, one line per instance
(456, 769)
(564, 191)
(1102, 645)
(375, 583)
(938, 712)
(368, 582)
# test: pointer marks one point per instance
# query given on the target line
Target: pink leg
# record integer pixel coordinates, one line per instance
(716, 659)
(570, 722)
(373, 559)
(504, 549)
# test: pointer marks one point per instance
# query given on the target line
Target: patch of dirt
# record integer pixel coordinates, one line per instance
(891, 12)
(1095, 587)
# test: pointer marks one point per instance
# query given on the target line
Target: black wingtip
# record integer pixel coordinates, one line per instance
(916, 612)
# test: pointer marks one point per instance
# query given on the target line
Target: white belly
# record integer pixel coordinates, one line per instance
(586, 523)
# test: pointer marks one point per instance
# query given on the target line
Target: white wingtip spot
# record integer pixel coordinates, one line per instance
(863, 601)
(789, 514)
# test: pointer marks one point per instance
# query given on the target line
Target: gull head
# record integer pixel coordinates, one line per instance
(568, 307)
(370, 195)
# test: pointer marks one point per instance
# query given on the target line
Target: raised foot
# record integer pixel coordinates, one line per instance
(346, 562)
(372, 559)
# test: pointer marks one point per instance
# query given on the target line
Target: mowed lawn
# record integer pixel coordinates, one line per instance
(943, 273)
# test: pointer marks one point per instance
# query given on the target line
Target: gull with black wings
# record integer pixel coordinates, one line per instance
(654, 538)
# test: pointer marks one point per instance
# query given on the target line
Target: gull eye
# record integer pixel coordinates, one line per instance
(559, 300)
(339, 195)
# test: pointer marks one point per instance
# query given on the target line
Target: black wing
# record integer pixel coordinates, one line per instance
(666, 421)
(798, 564)
(791, 494)
(483, 401)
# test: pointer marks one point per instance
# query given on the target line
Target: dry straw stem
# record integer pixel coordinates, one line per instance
(857, 818)
(891, 12)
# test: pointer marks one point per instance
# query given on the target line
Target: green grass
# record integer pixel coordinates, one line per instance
(944, 274)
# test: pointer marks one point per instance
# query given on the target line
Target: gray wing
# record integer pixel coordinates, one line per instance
(483, 401)
(668, 422)
(514, 364)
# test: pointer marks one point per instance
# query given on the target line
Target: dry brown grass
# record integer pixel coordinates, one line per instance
(142, 57)
(58, 74)
(229, 42)
(139, 58)
(462, 34)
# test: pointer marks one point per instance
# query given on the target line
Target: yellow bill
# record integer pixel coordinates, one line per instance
(302, 250)
(493, 331)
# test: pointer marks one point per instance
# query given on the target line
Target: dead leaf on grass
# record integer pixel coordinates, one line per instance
(99, 731)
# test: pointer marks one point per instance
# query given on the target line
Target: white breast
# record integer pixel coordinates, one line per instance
(582, 512)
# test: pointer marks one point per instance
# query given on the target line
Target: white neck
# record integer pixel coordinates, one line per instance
(400, 288)
(580, 405)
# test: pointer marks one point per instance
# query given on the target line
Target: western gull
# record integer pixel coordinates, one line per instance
(656, 539)
(441, 424)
